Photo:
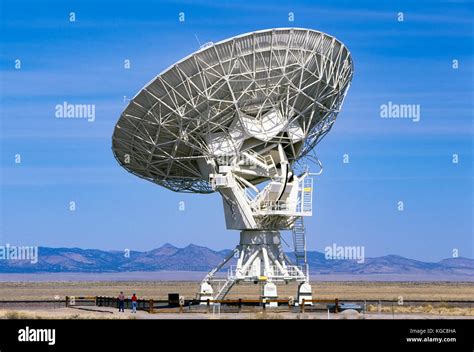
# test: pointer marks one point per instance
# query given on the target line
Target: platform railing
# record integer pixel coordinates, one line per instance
(274, 273)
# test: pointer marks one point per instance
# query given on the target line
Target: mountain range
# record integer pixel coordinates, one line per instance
(197, 258)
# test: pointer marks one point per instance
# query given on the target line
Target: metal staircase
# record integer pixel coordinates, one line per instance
(224, 290)
(266, 162)
(299, 243)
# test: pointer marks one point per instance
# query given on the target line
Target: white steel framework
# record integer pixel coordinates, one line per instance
(234, 117)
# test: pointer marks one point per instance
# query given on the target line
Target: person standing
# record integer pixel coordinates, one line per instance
(121, 301)
(134, 303)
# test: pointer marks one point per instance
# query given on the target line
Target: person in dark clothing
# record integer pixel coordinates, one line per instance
(121, 301)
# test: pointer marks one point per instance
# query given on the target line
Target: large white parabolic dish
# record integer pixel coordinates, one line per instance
(247, 93)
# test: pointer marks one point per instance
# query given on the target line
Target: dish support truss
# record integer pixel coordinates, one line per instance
(282, 85)
(261, 214)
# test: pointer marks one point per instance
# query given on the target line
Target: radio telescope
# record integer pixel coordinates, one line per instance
(238, 117)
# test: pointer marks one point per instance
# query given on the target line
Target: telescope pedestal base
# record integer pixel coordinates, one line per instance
(269, 293)
(260, 259)
(305, 292)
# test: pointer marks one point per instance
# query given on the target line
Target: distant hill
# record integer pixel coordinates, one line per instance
(197, 258)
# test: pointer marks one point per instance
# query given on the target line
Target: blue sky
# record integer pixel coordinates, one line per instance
(391, 160)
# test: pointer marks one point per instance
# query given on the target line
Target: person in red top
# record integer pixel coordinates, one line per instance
(134, 303)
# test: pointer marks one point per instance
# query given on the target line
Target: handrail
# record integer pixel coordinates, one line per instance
(315, 160)
(293, 271)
